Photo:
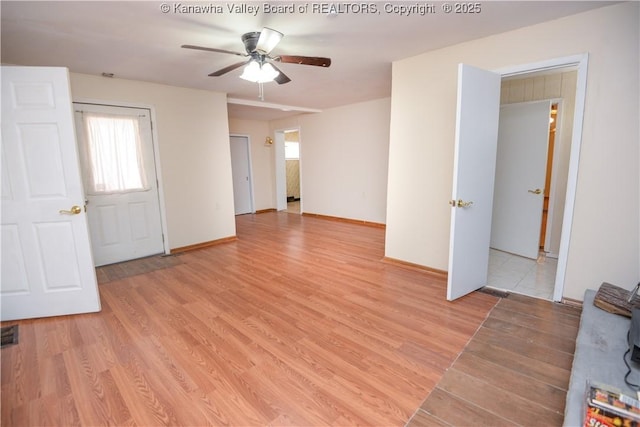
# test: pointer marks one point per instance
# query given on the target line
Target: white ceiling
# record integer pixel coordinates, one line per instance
(136, 40)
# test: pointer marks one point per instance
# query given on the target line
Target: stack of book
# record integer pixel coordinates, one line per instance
(608, 407)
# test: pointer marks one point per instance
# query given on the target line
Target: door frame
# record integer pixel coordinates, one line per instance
(581, 62)
(249, 167)
(156, 155)
(554, 178)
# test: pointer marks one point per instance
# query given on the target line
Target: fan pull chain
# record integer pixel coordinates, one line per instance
(261, 91)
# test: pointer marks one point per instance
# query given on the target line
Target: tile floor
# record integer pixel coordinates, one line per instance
(293, 207)
(521, 275)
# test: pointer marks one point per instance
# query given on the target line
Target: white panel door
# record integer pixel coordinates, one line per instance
(473, 177)
(123, 224)
(241, 172)
(46, 265)
(523, 140)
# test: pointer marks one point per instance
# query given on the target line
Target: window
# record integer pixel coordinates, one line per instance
(291, 150)
(113, 154)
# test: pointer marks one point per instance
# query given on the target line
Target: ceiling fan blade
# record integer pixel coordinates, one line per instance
(211, 49)
(231, 67)
(282, 77)
(305, 60)
(268, 40)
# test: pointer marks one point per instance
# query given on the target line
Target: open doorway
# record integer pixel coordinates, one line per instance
(474, 169)
(288, 161)
(534, 273)
(292, 166)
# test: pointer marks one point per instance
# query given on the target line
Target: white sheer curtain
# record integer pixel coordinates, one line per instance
(113, 158)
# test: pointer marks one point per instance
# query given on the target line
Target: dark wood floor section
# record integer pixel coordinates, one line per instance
(298, 322)
(122, 270)
(515, 370)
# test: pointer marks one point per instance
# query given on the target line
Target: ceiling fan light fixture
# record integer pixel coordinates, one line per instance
(260, 66)
(259, 73)
(269, 73)
(268, 40)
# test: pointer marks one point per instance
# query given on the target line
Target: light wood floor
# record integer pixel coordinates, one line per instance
(298, 322)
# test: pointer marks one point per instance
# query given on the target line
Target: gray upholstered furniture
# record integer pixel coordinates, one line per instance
(600, 345)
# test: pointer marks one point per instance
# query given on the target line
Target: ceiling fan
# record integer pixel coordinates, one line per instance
(260, 69)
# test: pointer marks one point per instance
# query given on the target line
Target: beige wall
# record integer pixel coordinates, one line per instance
(343, 160)
(555, 86)
(262, 160)
(344, 156)
(606, 225)
(195, 160)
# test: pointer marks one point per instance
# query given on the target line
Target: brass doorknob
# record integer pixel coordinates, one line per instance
(536, 191)
(75, 210)
(460, 203)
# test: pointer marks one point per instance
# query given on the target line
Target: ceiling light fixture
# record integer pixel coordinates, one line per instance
(259, 72)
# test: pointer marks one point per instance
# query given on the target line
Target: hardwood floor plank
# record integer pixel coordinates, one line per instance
(237, 410)
(145, 406)
(63, 411)
(557, 313)
(512, 381)
(25, 374)
(424, 419)
(499, 402)
(271, 381)
(502, 340)
(104, 402)
(374, 393)
(400, 378)
(186, 353)
(163, 361)
(449, 409)
(54, 376)
(304, 367)
(534, 336)
(522, 318)
(46, 343)
(212, 413)
(521, 363)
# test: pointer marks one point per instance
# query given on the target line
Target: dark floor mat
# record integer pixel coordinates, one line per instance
(494, 292)
(9, 335)
(109, 273)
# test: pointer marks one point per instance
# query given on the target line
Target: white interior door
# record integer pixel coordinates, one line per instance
(241, 171)
(46, 263)
(473, 178)
(117, 158)
(523, 139)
